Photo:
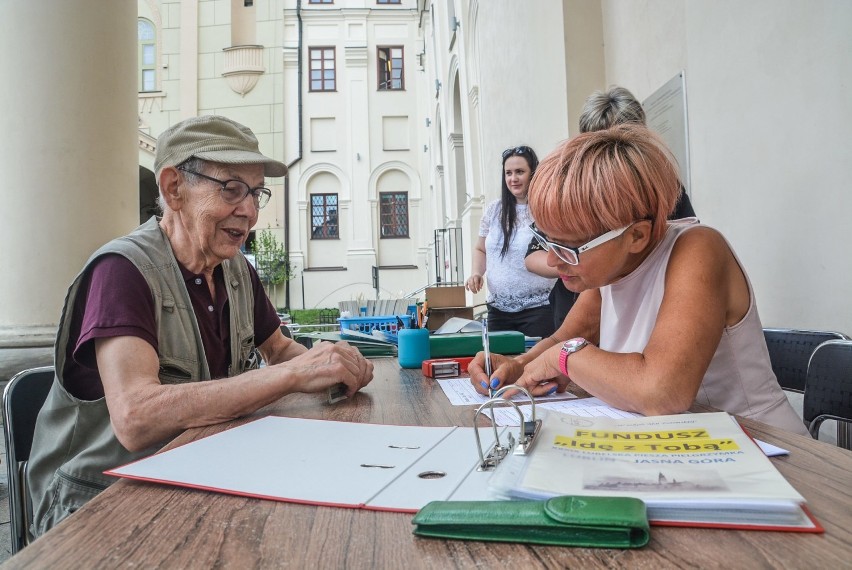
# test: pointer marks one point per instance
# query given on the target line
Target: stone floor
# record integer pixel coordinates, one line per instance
(12, 361)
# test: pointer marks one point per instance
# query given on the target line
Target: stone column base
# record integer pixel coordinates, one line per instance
(27, 336)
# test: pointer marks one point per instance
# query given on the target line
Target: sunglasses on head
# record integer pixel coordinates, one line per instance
(516, 150)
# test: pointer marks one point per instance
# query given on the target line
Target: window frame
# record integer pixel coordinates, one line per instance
(142, 67)
(381, 70)
(394, 223)
(324, 225)
(388, 1)
(322, 80)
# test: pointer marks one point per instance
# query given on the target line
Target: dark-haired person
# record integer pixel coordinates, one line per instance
(517, 299)
(667, 316)
(162, 328)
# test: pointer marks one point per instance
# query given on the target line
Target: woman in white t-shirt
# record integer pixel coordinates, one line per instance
(517, 299)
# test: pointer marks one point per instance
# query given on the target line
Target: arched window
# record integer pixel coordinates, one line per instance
(393, 214)
(325, 223)
(147, 55)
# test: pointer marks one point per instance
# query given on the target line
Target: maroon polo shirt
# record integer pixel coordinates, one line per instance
(114, 300)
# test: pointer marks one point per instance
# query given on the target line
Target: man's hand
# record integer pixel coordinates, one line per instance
(504, 370)
(327, 364)
(145, 412)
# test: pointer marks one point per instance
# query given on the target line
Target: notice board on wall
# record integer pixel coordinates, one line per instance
(665, 112)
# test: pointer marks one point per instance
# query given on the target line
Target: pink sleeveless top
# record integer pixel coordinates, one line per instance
(739, 379)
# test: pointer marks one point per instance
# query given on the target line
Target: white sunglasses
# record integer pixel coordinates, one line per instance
(571, 255)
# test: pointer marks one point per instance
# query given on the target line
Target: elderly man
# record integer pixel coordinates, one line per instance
(155, 313)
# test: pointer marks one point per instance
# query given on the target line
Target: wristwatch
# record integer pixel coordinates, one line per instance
(570, 347)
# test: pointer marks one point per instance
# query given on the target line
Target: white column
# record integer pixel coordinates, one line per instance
(188, 58)
(363, 213)
(68, 150)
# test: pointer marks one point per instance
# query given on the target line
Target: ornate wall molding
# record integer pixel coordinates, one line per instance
(147, 143)
(455, 140)
(150, 101)
(356, 56)
(243, 67)
(473, 96)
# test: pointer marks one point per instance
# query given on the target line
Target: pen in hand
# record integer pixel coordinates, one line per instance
(487, 351)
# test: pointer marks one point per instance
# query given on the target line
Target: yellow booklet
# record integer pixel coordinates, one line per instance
(689, 469)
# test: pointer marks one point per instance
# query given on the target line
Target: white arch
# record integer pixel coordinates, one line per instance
(472, 43)
(413, 177)
(319, 168)
(451, 80)
(437, 141)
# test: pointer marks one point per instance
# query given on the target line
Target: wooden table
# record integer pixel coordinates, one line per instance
(147, 525)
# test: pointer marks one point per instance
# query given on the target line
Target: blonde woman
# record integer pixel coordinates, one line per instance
(666, 314)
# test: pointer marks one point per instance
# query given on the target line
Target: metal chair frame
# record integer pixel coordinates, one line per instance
(790, 351)
(828, 391)
(22, 399)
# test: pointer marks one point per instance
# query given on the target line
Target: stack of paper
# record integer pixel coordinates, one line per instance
(368, 345)
(380, 307)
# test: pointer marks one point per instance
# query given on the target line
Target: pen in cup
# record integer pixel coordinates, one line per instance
(487, 351)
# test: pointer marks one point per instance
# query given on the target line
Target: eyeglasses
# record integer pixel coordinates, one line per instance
(516, 150)
(571, 255)
(235, 191)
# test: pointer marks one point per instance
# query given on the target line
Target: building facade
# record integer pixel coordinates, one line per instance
(393, 116)
(333, 89)
(767, 160)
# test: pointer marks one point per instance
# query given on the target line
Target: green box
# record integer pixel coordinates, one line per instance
(468, 344)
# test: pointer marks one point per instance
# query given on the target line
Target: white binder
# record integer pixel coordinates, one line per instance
(370, 466)
(379, 467)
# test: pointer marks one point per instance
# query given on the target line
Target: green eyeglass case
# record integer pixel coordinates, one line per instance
(597, 522)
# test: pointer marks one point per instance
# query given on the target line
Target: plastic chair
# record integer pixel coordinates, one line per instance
(828, 391)
(789, 352)
(22, 399)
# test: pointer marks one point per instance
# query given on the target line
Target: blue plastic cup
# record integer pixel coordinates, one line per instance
(413, 347)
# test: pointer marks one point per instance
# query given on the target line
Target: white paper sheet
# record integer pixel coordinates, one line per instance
(459, 325)
(462, 393)
(771, 450)
(586, 407)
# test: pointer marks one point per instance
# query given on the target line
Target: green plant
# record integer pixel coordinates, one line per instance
(273, 263)
(305, 316)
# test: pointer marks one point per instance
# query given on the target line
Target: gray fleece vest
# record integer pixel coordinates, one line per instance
(74, 442)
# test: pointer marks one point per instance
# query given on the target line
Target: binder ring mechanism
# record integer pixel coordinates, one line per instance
(528, 430)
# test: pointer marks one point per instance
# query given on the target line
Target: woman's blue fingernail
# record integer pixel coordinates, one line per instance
(484, 384)
(552, 390)
(495, 382)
